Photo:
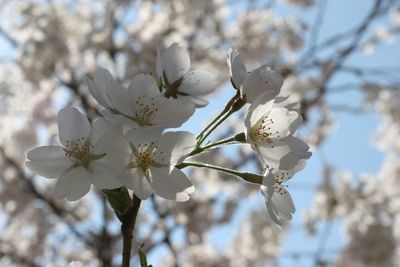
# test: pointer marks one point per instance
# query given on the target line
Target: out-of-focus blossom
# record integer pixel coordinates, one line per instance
(75, 264)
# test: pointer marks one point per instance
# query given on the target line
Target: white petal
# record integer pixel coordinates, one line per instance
(120, 99)
(197, 83)
(257, 111)
(171, 184)
(198, 101)
(272, 155)
(99, 87)
(175, 62)
(288, 174)
(282, 124)
(267, 192)
(174, 146)
(104, 135)
(261, 82)
(284, 203)
(173, 113)
(142, 136)
(72, 184)
(48, 161)
(102, 175)
(299, 151)
(72, 125)
(237, 68)
(140, 185)
(143, 86)
(118, 120)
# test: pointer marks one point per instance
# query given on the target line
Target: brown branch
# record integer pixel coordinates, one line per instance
(128, 226)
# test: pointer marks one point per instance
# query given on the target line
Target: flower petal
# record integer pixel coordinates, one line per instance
(104, 135)
(173, 113)
(272, 155)
(48, 161)
(171, 184)
(174, 146)
(257, 111)
(175, 62)
(100, 86)
(142, 136)
(72, 184)
(198, 101)
(280, 122)
(299, 151)
(267, 192)
(139, 183)
(237, 69)
(72, 125)
(197, 83)
(102, 175)
(261, 82)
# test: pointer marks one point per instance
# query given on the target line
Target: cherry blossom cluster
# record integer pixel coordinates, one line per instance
(130, 144)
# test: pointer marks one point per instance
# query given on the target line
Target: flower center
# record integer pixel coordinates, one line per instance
(143, 156)
(79, 152)
(279, 179)
(146, 108)
(261, 132)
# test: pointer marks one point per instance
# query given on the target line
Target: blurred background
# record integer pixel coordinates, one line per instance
(340, 59)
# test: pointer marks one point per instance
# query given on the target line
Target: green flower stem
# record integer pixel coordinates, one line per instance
(247, 176)
(216, 119)
(236, 139)
(237, 104)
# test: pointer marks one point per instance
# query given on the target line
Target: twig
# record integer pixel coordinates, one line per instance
(128, 226)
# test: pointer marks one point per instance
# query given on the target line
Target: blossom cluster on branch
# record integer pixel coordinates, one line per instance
(129, 145)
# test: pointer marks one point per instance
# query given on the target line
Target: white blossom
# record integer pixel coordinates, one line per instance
(173, 69)
(269, 128)
(81, 161)
(75, 264)
(151, 163)
(141, 105)
(261, 81)
(278, 201)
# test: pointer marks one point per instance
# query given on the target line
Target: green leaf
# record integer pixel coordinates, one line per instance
(119, 199)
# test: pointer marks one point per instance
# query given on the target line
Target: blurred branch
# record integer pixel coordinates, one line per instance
(322, 243)
(9, 38)
(59, 211)
(318, 23)
(330, 68)
(17, 258)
